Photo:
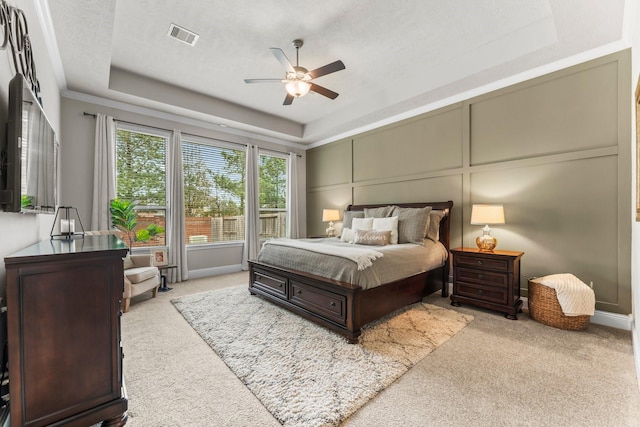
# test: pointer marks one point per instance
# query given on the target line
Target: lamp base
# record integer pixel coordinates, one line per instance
(486, 242)
(486, 245)
(331, 231)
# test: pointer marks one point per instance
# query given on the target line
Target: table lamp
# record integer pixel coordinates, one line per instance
(330, 215)
(487, 214)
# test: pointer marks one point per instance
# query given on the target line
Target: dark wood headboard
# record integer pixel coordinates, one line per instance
(445, 223)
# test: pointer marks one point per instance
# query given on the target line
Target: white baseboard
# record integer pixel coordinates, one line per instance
(214, 271)
(604, 318)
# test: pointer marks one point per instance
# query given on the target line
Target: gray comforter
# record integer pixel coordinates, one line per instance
(397, 262)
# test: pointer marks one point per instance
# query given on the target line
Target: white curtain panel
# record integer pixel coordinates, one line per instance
(251, 214)
(104, 172)
(293, 224)
(176, 232)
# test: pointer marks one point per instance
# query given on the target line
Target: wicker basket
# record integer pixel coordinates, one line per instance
(545, 308)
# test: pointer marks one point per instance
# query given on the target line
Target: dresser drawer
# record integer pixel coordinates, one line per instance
(481, 292)
(484, 262)
(327, 304)
(271, 283)
(488, 278)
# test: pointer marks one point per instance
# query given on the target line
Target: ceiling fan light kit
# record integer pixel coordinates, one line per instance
(297, 88)
(298, 79)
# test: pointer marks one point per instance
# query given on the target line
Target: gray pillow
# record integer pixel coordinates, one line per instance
(434, 225)
(348, 217)
(413, 224)
(381, 212)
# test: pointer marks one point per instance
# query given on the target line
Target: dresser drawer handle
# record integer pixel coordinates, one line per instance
(479, 262)
(480, 292)
(480, 276)
(299, 291)
(333, 304)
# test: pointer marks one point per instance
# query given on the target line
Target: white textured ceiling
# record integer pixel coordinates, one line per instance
(399, 55)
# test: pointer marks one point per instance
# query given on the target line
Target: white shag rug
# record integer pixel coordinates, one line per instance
(305, 374)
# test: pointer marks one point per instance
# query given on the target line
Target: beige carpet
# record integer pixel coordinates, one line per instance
(495, 372)
(304, 374)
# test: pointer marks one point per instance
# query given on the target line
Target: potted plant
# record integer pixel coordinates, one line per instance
(124, 218)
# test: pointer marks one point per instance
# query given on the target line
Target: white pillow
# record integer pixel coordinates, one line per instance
(362, 224)
(348, 235)
(391, 224)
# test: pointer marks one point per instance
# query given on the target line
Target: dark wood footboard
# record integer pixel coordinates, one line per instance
(339, 306)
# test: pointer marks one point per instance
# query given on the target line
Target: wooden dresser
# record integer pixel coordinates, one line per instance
(65, 358)
(487, 279)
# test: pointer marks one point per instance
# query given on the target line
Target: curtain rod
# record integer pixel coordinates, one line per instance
(185, 133)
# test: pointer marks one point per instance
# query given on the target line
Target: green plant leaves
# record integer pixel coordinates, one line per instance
(124, 218)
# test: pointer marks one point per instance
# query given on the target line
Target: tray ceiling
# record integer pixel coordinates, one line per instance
(400, 57)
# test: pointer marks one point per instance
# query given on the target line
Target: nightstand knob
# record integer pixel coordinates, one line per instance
(333, 304)
(479, 262)
(480, 277)
(299, 291)
(480, 292)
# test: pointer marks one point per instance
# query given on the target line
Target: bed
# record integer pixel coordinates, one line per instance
(345, 301)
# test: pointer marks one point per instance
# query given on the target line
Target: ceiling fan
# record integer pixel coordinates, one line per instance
(298, 79)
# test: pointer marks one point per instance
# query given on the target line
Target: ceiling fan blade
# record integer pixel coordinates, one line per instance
(323, 91)
(288, 99)
(327, 69)
(262, 80)
(280, 56)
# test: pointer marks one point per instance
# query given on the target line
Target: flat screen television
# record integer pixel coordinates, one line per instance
(30, 156)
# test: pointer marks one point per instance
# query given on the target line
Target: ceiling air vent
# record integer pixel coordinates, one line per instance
(182, 34)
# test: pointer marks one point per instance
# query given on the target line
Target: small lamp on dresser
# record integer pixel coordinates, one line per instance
(487, 214)
(330, 215)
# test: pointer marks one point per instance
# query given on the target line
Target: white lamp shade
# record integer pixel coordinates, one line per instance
(487, 214)
(330, 215)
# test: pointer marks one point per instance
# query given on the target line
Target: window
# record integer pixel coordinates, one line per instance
(273, 195)
(141, 177)
(214, 186)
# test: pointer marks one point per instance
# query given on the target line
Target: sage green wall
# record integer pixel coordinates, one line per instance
(554, 150)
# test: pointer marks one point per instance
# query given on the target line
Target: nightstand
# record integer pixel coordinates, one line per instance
(487, 279)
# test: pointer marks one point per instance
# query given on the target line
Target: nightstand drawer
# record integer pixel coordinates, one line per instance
(482, 262)
(487, 279)
(483, 277)
(484, 293)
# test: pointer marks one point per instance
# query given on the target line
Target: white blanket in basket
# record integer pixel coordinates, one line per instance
(574, 296)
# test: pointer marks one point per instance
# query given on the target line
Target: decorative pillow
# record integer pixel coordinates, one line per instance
(348, 235)
(372, 237)
(413, 224)
(362, 224)
(127, 262)
(391, 224)
(348, 217)
(381, 212)
(434, 225)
